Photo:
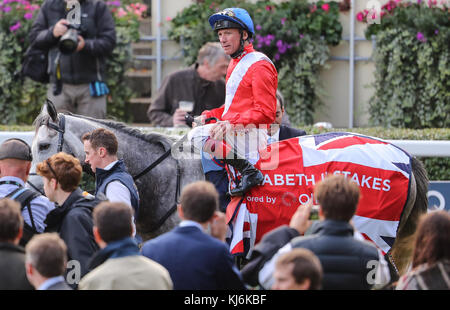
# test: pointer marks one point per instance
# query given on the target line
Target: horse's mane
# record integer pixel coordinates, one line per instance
(153, 137)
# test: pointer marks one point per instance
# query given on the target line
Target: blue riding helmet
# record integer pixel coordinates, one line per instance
(232, 18)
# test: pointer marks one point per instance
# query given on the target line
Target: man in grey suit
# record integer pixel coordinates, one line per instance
(45, 262)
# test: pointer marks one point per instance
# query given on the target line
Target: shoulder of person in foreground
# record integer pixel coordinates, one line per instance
(130, 272)
(265, 250)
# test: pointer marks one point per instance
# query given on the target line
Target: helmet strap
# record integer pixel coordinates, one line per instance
(240, 50)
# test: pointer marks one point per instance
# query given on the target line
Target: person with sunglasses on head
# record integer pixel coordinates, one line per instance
(250, 101)
(72, 218)
(15, 165)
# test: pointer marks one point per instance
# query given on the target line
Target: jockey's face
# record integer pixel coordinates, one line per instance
(93, 157)
(230, 39)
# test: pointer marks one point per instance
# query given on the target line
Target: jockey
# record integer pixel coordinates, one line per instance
(250, 102)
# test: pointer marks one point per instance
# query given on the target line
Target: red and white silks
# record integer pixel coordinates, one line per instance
(250, 106)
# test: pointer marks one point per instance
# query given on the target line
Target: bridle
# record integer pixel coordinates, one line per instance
(61, 129)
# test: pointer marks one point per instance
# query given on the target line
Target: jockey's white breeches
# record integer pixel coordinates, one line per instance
(246, 142)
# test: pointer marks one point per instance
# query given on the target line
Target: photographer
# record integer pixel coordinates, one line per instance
(78, 37)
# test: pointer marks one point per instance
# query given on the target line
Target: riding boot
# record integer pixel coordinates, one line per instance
(250, 176)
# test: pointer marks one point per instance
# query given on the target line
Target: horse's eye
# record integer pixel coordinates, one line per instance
(43, 146)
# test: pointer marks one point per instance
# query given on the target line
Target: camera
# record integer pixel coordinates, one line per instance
(314, 214)
(69, 41)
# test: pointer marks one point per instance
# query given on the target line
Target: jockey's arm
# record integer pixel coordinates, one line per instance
(217, 113)
(264, 86)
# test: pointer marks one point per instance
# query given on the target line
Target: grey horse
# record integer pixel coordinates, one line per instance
(158, 189)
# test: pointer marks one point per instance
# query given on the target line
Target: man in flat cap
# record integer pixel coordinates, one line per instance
(15, 164)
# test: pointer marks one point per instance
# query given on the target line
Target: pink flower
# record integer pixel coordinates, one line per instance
(121, 12)
(283, 20)
(326, 7)
(168, 18)
(421, 37)
(28, 15)
(15, 27)
(360, 16)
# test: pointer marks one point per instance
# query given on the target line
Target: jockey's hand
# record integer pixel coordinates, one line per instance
(218, 225)
(219, 130)
(60, 28)
(300, 220)
(178, 117)
(199, 121)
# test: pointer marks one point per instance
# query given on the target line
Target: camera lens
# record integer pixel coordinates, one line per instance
(69, 42)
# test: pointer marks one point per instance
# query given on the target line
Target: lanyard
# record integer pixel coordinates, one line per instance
(11, 182)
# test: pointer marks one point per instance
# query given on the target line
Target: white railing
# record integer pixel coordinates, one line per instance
(424, 148)
(421, 148)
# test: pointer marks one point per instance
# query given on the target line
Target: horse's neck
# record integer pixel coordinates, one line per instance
(135, 151)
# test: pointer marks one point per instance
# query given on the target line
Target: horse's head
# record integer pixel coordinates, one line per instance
(54, 132)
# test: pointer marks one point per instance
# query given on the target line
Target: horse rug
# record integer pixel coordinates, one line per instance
(292, 167)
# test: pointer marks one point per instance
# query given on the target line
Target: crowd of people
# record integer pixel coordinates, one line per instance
(70, 239)
(326, 254)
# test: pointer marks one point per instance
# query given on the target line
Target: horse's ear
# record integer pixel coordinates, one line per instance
(50, 109)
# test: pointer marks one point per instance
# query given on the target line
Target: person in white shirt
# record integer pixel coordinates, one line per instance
(15, 164)
(111, 176)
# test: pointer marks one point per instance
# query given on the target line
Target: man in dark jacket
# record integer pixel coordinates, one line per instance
(73, 72)
(202, 84)
(12, 256)
(346, 261)
(72, 219)
(195, 259)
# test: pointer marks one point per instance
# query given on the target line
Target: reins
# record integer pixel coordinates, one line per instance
(178, 186)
